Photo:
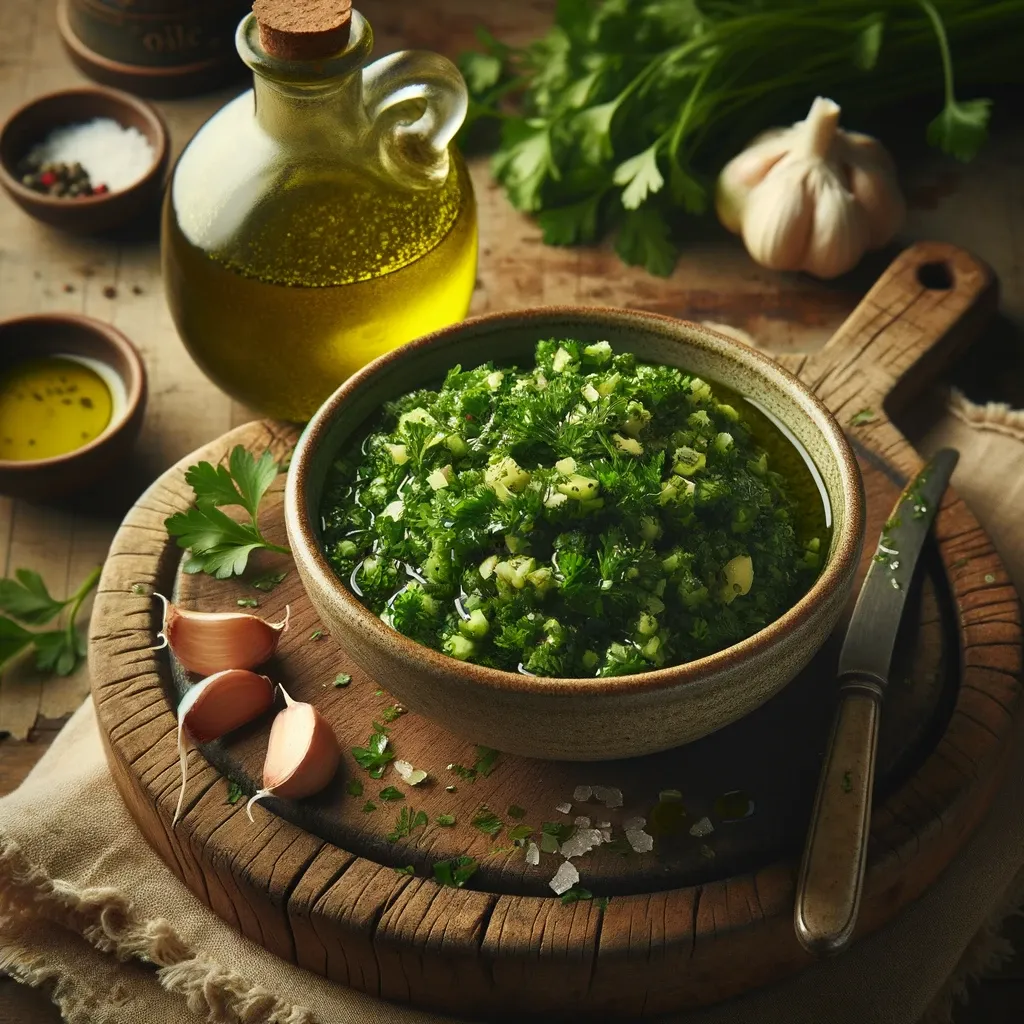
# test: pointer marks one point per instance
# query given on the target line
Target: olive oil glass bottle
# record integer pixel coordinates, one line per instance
(319, 220)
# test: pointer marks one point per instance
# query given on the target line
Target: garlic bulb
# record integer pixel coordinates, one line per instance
(811, 197)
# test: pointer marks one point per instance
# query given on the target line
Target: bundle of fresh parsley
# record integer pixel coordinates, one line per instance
(616, 120)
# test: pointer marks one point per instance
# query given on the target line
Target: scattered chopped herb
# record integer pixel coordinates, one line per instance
(26, 598)
(989, 578)
(268, 581)
(847, 782)
(374, 757)
(601, 902)
(488, 822)
(390, 793)
(369, 806)
(378, 693)
(139, 589)
(217, 544)
(485, 760)
(407, 870)
(235, 792)
(960, 563)
(457, 872)
(466, 774)
(341, 680)
(392, 712)
(446, 820)
(864, 416)
(576, 893)
(553, 834)
(316, 634)
(515, 811)
(354, 787)
(407, 821)
(247, 602)
(519, 834)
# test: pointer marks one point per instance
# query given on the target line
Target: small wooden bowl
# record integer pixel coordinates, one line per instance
(67, 334)
(31, 124)
(585, 719)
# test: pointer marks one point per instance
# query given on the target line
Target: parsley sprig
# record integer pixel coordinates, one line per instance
(26, 599)
(625, 110)
(217, 544)
(376, 755)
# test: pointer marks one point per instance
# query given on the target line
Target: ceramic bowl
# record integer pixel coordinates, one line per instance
(31, 124)
(110, 354)
(579, 719)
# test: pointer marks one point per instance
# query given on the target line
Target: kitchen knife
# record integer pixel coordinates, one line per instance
(832, 871)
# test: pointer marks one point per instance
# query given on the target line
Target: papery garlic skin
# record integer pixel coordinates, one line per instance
(811, 197)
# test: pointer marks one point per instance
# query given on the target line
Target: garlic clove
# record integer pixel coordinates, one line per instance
(216, 706)
(302, 754)
(873, 183)
(839, 234)
(209, 642)
(744, 172)
(779, 218)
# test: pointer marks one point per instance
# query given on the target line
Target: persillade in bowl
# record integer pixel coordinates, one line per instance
(640, 673)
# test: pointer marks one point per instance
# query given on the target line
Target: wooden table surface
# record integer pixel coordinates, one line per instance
(980, 207)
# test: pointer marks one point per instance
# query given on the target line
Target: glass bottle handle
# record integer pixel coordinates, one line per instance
(415, 102)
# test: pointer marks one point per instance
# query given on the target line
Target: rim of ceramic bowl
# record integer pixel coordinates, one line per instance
(160, 141)
(134, 382)
(841, 564)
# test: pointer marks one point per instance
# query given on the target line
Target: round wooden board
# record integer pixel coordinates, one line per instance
(315, 882)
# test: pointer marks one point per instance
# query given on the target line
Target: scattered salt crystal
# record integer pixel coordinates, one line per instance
(111, 154)
(565, 878)
(583, 821)
(413, 776)
(606, 835)
(634, 823)
(581, 841)
(702, 828)
(581, 794)
(532, 853)
(604, 824)
(609, 796)
(639, 840)
(564, 808)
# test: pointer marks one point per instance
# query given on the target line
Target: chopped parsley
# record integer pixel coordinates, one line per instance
(847, 782)
(390, 793)
(407, 870)
(483, 766)
(576, 893)
(235, 792)
(392, 712)
(247, 602)
(446, 820)
(354, 787)
(588, 516)
(406, 823)
(316, 634)
(268, 581)
(518, 834)
(515, 811)
(374, 757)
(341, 680)
(369, 806)
(486, 821)
(455, 873)
(858, 419)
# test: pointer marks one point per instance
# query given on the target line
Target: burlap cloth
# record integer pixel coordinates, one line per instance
(89, 911)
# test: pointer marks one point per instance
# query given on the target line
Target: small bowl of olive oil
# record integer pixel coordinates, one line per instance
(72, 398)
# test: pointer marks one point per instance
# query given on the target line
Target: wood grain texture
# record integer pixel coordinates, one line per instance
(326, 895)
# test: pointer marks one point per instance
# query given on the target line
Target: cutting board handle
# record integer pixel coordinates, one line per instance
(931, 302)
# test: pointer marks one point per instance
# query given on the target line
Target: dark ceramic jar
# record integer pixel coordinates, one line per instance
(153, 47)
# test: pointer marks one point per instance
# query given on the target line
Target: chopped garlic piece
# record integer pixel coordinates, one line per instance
(639, 840)
(609, 796)
(565, 878)
(564, 808)
(532, 853)
(702, 828)
(410, 775)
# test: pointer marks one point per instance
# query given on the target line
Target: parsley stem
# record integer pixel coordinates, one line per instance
(940, 35)
(79, 597)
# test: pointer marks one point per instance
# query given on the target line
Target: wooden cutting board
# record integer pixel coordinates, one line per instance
(698, 919)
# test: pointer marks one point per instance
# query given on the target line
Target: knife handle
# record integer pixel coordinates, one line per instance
(832, 871)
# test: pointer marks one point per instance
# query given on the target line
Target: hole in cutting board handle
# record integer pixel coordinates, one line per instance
(936, 276)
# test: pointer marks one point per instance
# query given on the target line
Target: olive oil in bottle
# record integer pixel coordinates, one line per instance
(305, 238)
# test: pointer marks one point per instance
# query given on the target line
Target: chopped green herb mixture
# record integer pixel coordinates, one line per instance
(407, 821)
(455, 873)
(590, 516)
(341, 680)
(374, 757)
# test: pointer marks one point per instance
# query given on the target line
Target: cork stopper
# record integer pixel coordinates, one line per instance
(303, 29)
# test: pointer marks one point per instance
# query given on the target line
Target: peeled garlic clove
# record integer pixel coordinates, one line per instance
(209, 642)
(302, 754)
(214, 707)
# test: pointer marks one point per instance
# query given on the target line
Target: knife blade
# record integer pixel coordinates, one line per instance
(832, 870)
